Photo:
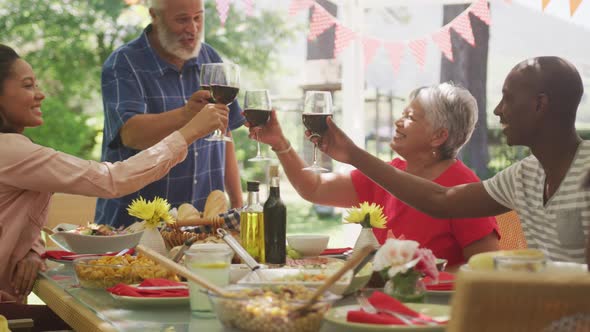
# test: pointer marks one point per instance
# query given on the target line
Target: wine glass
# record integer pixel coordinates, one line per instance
(224, 86)
(205, 78)
(316, 109)
(257, 108)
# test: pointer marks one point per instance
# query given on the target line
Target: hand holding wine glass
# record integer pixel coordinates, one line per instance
(224, 85)
(335, 143)
(270, 134)
(209, 118)
(316, 109)
(257, 110)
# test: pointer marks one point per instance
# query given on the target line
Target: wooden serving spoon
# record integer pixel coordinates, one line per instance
(349, 264)
(179, 269)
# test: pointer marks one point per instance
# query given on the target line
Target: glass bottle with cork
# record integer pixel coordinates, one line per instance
(252, 223)
(275, 221)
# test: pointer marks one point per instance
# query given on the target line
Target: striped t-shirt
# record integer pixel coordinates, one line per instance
(559, 228)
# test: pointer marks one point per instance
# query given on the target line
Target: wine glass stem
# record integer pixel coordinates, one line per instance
(257, 146)
(315, 154)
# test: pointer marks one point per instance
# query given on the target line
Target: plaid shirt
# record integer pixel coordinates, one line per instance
(136, 80)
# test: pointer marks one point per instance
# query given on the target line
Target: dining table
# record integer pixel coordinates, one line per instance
(92, 310)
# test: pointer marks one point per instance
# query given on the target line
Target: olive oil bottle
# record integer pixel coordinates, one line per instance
(252, 224)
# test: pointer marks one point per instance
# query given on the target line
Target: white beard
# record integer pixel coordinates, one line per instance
(171, 44)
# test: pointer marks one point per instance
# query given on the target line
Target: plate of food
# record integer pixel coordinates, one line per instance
(441, 313)
(288, 276)
(94, 239)
(485, 261)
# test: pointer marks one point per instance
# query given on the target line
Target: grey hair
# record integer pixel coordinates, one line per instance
(450, 107)
(156, 4)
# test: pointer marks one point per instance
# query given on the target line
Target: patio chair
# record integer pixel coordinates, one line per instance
(70, 209)
(512, 236)
(520, 302)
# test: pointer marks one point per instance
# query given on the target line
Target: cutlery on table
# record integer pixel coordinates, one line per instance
(243, 253)
(161, 287)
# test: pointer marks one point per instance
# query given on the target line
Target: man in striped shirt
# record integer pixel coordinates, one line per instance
(537, 110)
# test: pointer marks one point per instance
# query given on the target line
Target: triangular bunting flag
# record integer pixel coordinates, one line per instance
(298, 5)
(545, 3)
(574, 4)
(249, 7)
(442, 39)
(395, 50)
(481, 10)
(370, 46)
(462, 25)
(321, 20)
(222, 9)
(418, 49)
(342, 39)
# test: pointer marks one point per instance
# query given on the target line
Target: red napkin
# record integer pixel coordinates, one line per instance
(63, 255)
(127, 290)
(335, 251)
(383, 301)
(445, 282)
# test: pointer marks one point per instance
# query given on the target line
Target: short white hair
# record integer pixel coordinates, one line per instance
(450, 107)
(157, 4)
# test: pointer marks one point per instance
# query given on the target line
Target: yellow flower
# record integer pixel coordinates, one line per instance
(151, 211)
(368, 215)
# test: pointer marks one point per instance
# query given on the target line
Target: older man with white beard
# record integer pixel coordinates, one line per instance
(146, 84)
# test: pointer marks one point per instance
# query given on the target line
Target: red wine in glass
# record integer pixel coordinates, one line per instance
(224, 94)
(257, 117)
(315, 122)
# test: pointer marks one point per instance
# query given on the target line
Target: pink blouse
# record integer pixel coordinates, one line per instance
(31, 173)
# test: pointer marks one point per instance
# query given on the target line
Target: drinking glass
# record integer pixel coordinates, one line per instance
(316, 109)
(257, 108)
(210, 261)
(224, 85)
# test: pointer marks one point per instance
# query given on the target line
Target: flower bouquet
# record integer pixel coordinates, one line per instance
(403, 264)
(368, 216)
(153, 213)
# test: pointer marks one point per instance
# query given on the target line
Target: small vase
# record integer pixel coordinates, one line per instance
(406, 287)
(366, 237)
(152, 238)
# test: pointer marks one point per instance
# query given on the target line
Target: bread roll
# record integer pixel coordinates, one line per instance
(216, 204)
(187, 211)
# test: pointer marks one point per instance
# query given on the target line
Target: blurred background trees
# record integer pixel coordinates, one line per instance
(67, 42)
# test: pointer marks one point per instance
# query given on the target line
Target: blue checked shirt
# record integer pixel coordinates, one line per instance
(135, 80)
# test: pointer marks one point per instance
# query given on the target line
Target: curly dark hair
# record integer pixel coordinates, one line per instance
(7, 58)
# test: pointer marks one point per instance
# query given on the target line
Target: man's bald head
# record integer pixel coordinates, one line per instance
(555, 77)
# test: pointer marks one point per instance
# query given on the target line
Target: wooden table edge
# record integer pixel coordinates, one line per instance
(79, 317)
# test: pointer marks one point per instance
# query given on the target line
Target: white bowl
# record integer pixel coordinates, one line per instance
(309, 245)
(92, 244)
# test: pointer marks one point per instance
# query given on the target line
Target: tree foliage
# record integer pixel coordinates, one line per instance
(67, 41)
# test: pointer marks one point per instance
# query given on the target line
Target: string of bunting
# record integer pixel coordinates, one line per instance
(574, 4)
(321, 20)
